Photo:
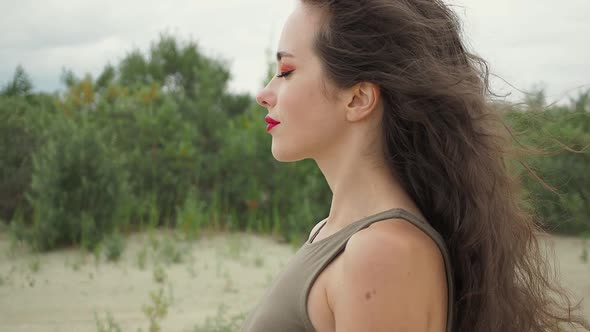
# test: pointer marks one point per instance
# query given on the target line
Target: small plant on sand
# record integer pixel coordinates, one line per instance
(114, 246)
(236, 246)
(8, 278)
(152, 222)
(159, 274)
(584, 254)
(157, 309)
(170, 252)
(18, 235)
(221, 323)
(154, 242)
(258, 260)
(190, 215)
(16, 246)
(229, 286)
(35, 264)
(141, 258)
(78, 262)
(30, 280)
(109, 325)
(97, 252)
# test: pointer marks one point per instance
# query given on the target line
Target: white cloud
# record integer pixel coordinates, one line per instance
(530, 42)
(525, 41)
(85, 35)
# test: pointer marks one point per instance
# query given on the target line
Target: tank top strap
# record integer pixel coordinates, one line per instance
(399, 213)
(335, 243)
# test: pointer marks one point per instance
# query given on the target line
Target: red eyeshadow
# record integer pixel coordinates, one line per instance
(285, 68)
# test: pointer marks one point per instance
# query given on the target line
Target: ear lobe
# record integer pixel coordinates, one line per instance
(364, 98)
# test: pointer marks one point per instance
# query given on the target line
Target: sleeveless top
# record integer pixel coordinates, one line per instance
(284, 305)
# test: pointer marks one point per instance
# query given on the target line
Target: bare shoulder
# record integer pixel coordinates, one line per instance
(395, 237)
(391, 277)
(394, 244)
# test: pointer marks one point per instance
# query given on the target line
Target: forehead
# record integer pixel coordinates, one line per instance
(299, 31)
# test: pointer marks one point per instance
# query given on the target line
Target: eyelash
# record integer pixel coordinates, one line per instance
(285, 73)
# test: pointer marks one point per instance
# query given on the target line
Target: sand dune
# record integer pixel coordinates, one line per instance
(61, 291)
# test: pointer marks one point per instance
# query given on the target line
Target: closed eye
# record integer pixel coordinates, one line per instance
(285, 73)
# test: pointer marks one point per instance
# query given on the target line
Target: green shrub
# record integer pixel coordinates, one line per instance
(191, 217)
(20, 136)
(561, 136)
(268, 196)
(114, 245)
(160, 159)
(76, 188)
(158, 140)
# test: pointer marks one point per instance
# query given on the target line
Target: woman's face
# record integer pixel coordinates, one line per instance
(310, 121)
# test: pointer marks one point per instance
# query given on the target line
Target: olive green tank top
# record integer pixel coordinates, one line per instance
(283, 308)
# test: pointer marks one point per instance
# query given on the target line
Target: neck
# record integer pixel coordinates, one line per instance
(361, 187)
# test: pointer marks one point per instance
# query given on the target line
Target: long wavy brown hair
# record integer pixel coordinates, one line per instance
(448, 145)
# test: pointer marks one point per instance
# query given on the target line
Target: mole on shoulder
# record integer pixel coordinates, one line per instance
(368, 294)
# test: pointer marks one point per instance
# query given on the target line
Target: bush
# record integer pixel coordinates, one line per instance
(561, 137)
(77, 187)
(114, 245)
(158, 139)
(269, 196)
(20, 136)
(159, 155)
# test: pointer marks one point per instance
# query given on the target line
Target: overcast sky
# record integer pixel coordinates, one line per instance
(526, 42)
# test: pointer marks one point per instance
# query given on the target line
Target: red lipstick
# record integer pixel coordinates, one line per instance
(271, 123)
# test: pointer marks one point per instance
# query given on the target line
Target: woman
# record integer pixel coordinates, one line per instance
(425, 232)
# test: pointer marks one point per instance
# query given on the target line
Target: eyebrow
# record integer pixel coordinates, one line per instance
(283, 54)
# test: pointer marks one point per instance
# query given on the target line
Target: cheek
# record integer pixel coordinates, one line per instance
(310, 116)
(312, 123)
(303, 102)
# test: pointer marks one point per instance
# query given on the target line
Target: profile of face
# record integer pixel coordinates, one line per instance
(311, 120)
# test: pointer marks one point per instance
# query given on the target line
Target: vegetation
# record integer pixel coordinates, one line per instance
(558, 138)
(158, 141)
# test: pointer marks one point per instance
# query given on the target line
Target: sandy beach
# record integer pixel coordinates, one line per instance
(190, 280)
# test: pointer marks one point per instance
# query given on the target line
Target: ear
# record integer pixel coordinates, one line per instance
(362, 99)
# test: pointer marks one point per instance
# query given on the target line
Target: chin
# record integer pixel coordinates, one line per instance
(282, 154)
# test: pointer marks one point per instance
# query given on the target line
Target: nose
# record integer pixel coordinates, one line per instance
(266, 97)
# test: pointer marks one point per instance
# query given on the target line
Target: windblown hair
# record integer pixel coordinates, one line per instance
(446, 144)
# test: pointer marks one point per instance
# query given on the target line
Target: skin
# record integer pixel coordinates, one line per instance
(391, 275)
